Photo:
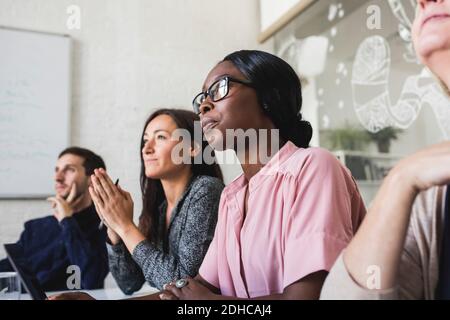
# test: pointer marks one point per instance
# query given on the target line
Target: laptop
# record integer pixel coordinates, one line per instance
(27, 277)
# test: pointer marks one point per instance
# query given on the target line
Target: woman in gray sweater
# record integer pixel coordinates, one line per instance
(180, 203)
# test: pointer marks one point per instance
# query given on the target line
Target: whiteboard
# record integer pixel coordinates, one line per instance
(35, 94)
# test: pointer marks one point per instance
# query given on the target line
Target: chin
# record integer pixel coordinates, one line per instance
(432, 39)
(62, 194)
(432, 44)
(152, 174)
(215, 139)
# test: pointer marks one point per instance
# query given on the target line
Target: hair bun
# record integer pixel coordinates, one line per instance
(306, 133)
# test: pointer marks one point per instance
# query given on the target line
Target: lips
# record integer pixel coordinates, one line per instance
(435, 16)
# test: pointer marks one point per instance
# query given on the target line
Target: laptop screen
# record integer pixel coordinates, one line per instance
(26, 276)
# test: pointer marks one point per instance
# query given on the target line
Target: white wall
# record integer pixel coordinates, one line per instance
(271, 10)
(130, 57)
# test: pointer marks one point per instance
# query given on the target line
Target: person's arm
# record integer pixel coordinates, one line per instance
(307, 288)
(340, 285)
(166, 294)
(380, 240)
(87, 251)
(160, 267)
(125, 270)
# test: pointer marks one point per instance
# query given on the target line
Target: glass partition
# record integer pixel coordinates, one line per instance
(367, 96)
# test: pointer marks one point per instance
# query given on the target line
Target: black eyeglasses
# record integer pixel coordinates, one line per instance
(216, 91)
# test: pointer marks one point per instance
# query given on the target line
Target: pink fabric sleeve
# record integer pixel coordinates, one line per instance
(319, 225)
(209, 268)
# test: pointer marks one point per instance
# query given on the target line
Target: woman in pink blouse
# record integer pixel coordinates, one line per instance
(284, 221)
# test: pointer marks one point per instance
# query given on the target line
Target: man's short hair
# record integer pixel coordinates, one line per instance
(91, 160)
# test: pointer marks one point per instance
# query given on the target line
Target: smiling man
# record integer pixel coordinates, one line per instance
(71, 236)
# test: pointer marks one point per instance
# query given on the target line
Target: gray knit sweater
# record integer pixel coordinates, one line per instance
(190, 232)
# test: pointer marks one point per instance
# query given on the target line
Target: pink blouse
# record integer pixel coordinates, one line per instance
(303, 209)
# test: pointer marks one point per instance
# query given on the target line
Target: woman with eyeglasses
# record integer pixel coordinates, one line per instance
(402, 250)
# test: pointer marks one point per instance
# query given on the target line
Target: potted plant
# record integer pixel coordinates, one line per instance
(349, 138)
(384, 137)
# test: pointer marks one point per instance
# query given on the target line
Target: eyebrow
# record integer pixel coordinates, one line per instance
(156, 131)
(67, 166)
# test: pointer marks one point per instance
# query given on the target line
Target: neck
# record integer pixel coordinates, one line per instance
(439, 63)
(175, 186)
(84, 203)
(254, 157)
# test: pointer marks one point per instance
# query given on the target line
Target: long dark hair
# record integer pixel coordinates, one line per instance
(152, 190)
(279, 92)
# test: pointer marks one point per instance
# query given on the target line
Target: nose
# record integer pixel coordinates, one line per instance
(205, 107)
(59, 176)
(148, 147)
(424, 3)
